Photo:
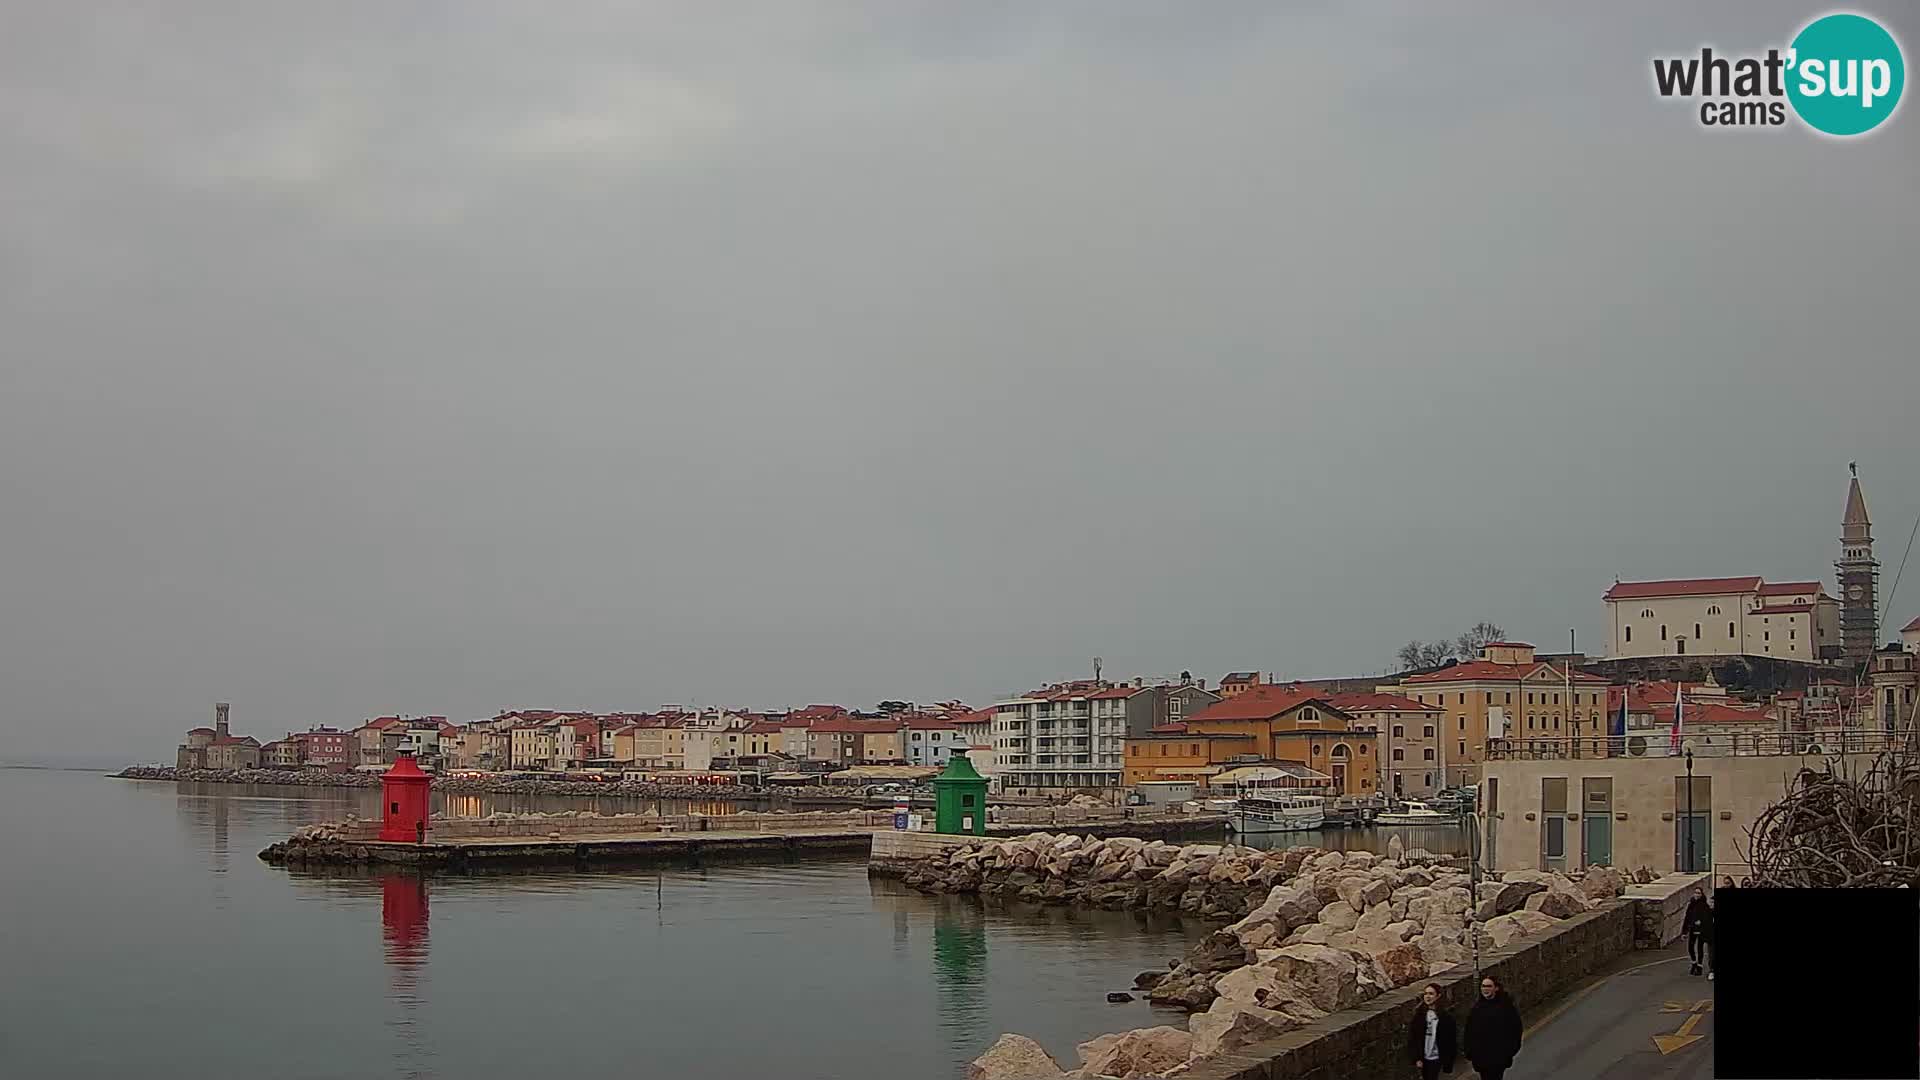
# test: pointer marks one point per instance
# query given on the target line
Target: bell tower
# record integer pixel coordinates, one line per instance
(1859, 575)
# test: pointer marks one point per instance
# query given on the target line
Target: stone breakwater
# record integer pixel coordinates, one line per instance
(1315, 933)
(627, 789)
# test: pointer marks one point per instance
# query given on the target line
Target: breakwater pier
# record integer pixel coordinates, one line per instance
(581, 840)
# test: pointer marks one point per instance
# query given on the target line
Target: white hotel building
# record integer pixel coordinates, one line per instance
(1064, 739)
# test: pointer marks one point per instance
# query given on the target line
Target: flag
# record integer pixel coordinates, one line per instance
(1679, 709)
(1619, 725)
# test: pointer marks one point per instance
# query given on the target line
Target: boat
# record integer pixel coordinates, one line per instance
(1277, 813)
(1414, 813)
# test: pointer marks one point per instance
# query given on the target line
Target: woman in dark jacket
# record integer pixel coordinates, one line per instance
(1698, 928)
(1493, 1031)
(1430, 1036)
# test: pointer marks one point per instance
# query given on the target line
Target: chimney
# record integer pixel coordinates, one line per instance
(220, 719)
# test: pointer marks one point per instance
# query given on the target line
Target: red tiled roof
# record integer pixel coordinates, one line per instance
(977, 716)
(1508, 645)
(1488, 671)
(860, 727)
(816, 712)
(1116, 692)
(1711, 714)
(1175, 728)
(1912, 626)
(1259, 703)
(1378, 703)
(1790, 588)
(764, 727)
(1239, 676)
(200, 731)
(1643, 590)
(235, 740)
(931, 723)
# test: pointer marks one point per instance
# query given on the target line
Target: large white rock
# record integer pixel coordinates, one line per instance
(1132, 1054)
(1340, 916)
(1014, 1057)
(1327, 977)
(1503, 930)
(1230, 1025)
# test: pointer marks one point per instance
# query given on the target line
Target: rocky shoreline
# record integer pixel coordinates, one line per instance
(1317, 932)
(624, 789)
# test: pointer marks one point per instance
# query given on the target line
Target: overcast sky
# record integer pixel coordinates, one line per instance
(444, 357)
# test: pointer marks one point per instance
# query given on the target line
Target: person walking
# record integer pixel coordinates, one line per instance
(1430, 1036)
(1493, 1031)
(1698, 921)
(1705, 931)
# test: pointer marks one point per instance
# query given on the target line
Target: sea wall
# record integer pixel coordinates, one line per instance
(1369, 1041)
(572, 825)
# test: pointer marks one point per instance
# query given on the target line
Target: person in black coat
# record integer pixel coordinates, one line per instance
(1699, 928)
(1493, 1031)
(1430, 1036)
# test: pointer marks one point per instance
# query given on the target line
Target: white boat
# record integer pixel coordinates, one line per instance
(1414, 813)
(1277, 813)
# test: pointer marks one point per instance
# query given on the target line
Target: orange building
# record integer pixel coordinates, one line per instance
(1265, 724)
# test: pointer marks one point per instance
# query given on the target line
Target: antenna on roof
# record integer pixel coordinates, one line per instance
(1096, 669)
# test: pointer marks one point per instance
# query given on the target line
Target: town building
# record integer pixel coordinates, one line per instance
(1737, 616)
(1235, 683)
(1859, 574)
(1067, 738)
(848, 741)
(931, 740)
(280, 754)
(1895, 687)
(1407, 738)
(659, 742)
(1543, 810)
(1264, 725)
(324, 748)
(1910, 636)
(1505, 694)
(217, 747)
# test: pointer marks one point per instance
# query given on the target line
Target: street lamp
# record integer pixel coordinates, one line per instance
(1689, 825)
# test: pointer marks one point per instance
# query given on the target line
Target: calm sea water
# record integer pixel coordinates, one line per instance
(141, 936)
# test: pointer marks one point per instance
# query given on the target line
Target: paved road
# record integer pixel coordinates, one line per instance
(1605, 1030)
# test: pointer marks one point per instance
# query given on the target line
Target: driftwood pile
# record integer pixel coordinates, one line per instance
(1841, 828)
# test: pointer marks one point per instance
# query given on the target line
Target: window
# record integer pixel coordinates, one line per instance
(1793, 635)
(1529, 699)
(1428, 733)
(1363, 749)
(1463, 699)
(1399, 731)
(1509, 700)
(1429, 753)
(1556, 699)
(1696, 631)
(1663, 631)
(1463, 723)
(1646, 613)
(1766, 635)
(1629, 633)
(1713, 609)
(1729, 629)
(1401, 755)
(1463, 749)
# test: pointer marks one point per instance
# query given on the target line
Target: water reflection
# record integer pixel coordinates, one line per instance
(960, 974)
(403, 932)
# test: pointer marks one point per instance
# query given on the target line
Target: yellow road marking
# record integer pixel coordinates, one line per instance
(1683, 1038)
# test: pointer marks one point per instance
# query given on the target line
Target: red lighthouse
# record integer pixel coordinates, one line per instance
(403, 789)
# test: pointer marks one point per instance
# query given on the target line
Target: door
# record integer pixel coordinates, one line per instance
(1596, 821)
(1693, 825)
(1553, 823)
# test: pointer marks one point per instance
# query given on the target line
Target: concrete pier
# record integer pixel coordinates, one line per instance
(610, 845)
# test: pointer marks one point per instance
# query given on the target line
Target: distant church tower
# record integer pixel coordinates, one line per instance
(1859, 577)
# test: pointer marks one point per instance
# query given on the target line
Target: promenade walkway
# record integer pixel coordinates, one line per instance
(1644, 1017)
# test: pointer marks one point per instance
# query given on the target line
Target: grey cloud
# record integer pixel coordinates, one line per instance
(458, 356)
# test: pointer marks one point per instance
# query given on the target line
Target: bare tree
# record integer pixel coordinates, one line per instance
(1478, 636)
(1418, 655)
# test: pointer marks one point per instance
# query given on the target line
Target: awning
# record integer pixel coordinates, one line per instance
(1261, 774)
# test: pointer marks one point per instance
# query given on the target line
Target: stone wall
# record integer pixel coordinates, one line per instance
(1369, 1042)
(1660, 908)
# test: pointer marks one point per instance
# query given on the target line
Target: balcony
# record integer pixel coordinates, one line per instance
(1702, 743)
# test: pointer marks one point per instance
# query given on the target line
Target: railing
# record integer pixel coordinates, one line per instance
(1703, 745)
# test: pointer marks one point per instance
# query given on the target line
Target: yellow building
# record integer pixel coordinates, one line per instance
(1505, 694)
(1263, 724)
(659, 745)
